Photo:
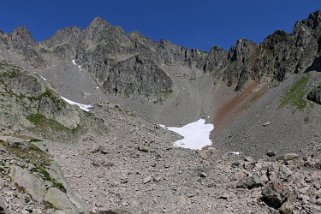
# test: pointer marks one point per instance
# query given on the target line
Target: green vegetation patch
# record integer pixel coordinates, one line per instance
(160, 96)
(42, 172)
(31, 154)
(26, 137)
(295, 97)
(44, 123)
(48, 205)
(52, 96)
(2, 165)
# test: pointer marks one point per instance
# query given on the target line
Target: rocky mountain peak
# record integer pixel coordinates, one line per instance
(315, 19)
(312, 23)
(100, 30)
(242, 49)
(99, 22)
(65, 35)
(21, 37)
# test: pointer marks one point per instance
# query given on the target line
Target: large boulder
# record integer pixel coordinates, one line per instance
(30, 183)
(60, 201)
(315, 95)
(275, 194)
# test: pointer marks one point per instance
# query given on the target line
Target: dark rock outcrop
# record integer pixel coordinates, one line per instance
(274, 195)
(21, 38)
(279, 55)
(136, 76)
(315, 95)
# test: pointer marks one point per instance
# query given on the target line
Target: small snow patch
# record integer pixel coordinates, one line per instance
(196, 134)
(81, 106)
(235, 153)
(74, 62)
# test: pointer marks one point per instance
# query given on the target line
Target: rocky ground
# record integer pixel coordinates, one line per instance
(293, 127)
(266, 152)
(31, 182)
(146, 174)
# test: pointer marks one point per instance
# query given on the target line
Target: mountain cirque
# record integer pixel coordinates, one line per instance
(263, 99)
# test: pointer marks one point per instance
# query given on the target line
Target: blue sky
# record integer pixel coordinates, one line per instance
(191, 23)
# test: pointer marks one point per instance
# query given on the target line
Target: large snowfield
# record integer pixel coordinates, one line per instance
(196, 134)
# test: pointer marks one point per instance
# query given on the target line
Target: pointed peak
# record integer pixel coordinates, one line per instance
(217, 49)
(244, 41)
(22, 34)
(21, 30)
(315, 15)
(98, 22)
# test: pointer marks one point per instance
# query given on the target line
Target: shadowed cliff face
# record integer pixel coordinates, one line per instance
(109, 54)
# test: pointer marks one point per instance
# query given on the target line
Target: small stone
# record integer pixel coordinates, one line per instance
(287, 208)
(142, 148)
(235, 164)
(224, 196)
(305, 199)
(318, 202)
(103, 151)
(124, 180)
(202, 174)
(248, 159)
(266, 124)
(288, 157)
(96, 149)
(31, 167)
(264, 178)
(207, 153)
(254, 181)
(36, 211)
(147, 179)
(270, 153)
(157, 179)
(98, 163)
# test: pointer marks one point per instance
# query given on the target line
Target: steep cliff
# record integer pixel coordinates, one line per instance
(278, 56)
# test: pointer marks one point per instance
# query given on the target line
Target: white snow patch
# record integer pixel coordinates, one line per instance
(43, 78)
(196, 134)
(74, 62)
(81, 106)
(97, 87)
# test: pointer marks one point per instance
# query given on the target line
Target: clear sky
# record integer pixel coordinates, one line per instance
(191, 23)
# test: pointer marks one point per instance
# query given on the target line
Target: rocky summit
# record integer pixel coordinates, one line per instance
(86, 118)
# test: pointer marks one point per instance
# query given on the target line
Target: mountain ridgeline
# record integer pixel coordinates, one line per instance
(131, 64)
